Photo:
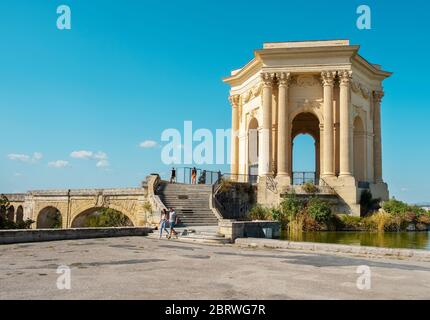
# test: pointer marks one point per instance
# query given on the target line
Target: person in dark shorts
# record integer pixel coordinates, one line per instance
(173, 219)
(173, 176)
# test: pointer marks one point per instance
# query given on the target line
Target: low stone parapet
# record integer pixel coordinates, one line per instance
(233, 229)
(40, 235)
(420, 255)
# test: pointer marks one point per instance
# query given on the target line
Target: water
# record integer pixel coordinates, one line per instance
(409, 240)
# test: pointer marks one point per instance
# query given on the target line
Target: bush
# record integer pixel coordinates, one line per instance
(108, 218)
(291, 206)
(278, 215)
(310, 188)
(395, 207)
(349, 222)
(258, 212)
(424, 219)
(319, 210)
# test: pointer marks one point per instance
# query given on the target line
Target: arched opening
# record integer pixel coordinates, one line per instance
(49, 218)
(11, 213)
(2, 212)
(101, 218)
(19, 214)
(253, 145)
(359, 150)
(305, 157)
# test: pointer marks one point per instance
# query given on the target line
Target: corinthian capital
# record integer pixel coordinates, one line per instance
(267, 78)
(283, 78)
(328, 77)
(377, 96)
(234, 100)
(344, 76)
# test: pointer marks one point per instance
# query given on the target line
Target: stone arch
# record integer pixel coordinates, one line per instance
(306, 123)
(2, 212)
(359, 149)
(306, 109)
(253, 146)
(78, 221)
(19, 216)
(11, 213)
(49, 218)
(129, 210)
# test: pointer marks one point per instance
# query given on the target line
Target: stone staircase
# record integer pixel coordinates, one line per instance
(191, 203)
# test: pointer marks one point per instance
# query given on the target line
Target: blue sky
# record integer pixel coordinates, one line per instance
(130, 69)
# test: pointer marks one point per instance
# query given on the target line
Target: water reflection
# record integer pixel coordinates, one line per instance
(410, 240)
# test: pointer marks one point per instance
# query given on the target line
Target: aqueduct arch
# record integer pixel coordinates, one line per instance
(11, 213)
(19, 216)
(49, 218)
(80, 219)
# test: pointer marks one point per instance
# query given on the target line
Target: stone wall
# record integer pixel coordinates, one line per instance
(232, 229)
(22, 236)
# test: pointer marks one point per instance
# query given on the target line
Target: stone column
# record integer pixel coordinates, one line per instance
(234, 100)
(328, 152)
(284, 132)
(377, 143)
(345, 149)
(265, 142)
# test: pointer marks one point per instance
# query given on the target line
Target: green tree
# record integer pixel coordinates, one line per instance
(108, 218)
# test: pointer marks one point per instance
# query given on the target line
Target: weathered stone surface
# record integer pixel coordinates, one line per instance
(21, 236)
(130, 268)
(334, 248)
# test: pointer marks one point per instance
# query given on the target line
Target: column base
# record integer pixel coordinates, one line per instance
(283, 180)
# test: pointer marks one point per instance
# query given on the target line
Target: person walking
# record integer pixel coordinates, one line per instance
(173, 219)
(173, 176)
(163, 223)
(193, 175)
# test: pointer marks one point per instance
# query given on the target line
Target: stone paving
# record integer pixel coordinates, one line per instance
(147, 268)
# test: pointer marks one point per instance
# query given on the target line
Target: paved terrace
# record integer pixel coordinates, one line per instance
(146, 268)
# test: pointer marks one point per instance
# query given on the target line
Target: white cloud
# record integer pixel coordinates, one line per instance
(25, 157)
(148, 144)
(37, 156)
(102, 164)
(82, 154)
(17, 174)
(19, 157)
(100, 157)
(58, 164)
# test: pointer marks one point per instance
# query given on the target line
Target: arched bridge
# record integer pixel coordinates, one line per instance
(68, 208)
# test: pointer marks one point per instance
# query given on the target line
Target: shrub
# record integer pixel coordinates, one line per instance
(278, 215)
(395, 207)
(291, 206)
(108, 218)
(424, 219)
(319, 210)
(258, 212)
(349, 222)
(310, 188)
